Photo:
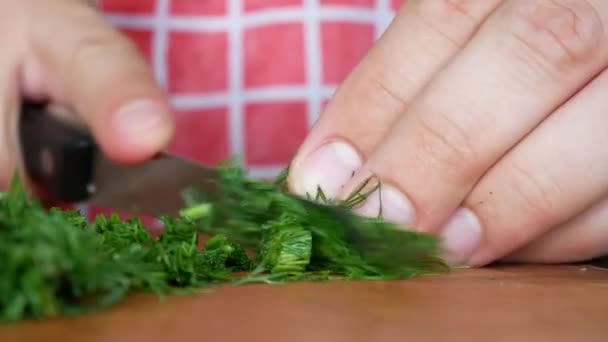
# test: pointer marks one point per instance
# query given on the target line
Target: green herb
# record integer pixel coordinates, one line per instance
(54, 262)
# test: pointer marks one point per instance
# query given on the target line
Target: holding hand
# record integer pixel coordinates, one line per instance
(64, 51)
(485, 122)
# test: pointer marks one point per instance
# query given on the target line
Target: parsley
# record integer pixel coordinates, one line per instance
(55, 262)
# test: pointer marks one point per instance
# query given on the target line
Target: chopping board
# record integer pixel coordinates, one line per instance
(501, 303)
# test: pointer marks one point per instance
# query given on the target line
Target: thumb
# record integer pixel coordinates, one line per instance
(99, 74)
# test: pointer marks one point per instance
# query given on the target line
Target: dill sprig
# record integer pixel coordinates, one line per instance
(55, 262)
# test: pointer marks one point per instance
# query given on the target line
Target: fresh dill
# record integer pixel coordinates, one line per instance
(55, 262)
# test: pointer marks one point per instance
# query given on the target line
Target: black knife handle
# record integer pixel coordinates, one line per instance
(58, 158)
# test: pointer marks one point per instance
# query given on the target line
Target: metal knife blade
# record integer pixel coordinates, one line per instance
(153, 187)
(64, 163)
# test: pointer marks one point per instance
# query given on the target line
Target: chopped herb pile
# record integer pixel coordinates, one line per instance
(55, 262)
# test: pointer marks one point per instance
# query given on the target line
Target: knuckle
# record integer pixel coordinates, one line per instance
(111, 47)
(388, 91)
(558, 33)
(97, 45)
(113, 58)
(536, 194)
(447, 8)
(101, 43)
(448, 144)
(453, 19)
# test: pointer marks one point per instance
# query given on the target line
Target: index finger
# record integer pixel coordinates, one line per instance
(526, 60)
(100, 74)
(422, 38)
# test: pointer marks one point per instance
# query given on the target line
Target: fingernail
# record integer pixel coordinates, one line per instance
(329, 167)
(461, 235)
(391, 204)
(144, 122)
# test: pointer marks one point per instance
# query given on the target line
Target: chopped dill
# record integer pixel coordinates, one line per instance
(55, 262)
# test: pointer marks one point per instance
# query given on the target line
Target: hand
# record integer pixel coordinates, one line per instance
(65, 52)
(485, 122)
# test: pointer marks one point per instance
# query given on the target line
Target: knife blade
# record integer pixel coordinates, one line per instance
(64, 163)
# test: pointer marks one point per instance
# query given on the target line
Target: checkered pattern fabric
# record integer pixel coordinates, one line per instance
(249, 77)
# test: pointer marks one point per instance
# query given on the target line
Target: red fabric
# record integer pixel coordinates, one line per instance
(209, 126)
(197, 7)
(278, 128)
(197, 62)
(273, 55)
(253, 5)
(249, 77)
(136, 6)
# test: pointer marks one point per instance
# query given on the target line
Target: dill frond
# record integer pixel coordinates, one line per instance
(55, 262)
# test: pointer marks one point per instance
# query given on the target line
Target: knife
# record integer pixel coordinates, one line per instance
(65, 165)
(63, 162)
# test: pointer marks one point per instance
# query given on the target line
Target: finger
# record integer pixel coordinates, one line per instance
(582, 238)
(100, 74)
(526, 59)
(380, 88)
(554, 174)
(11, 29)
(8, 114)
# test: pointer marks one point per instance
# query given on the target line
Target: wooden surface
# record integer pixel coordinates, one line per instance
(516, 303)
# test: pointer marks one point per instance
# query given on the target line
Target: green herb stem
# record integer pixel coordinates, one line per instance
(55, 262)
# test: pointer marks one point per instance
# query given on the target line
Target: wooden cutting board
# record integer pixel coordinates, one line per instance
(514, 303)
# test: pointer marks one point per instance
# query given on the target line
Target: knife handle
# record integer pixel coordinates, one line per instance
(58, 157)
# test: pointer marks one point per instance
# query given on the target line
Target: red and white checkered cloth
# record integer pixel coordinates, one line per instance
(249, 77)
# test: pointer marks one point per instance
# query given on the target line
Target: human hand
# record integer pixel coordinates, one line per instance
(63, 51)
(485, 122)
